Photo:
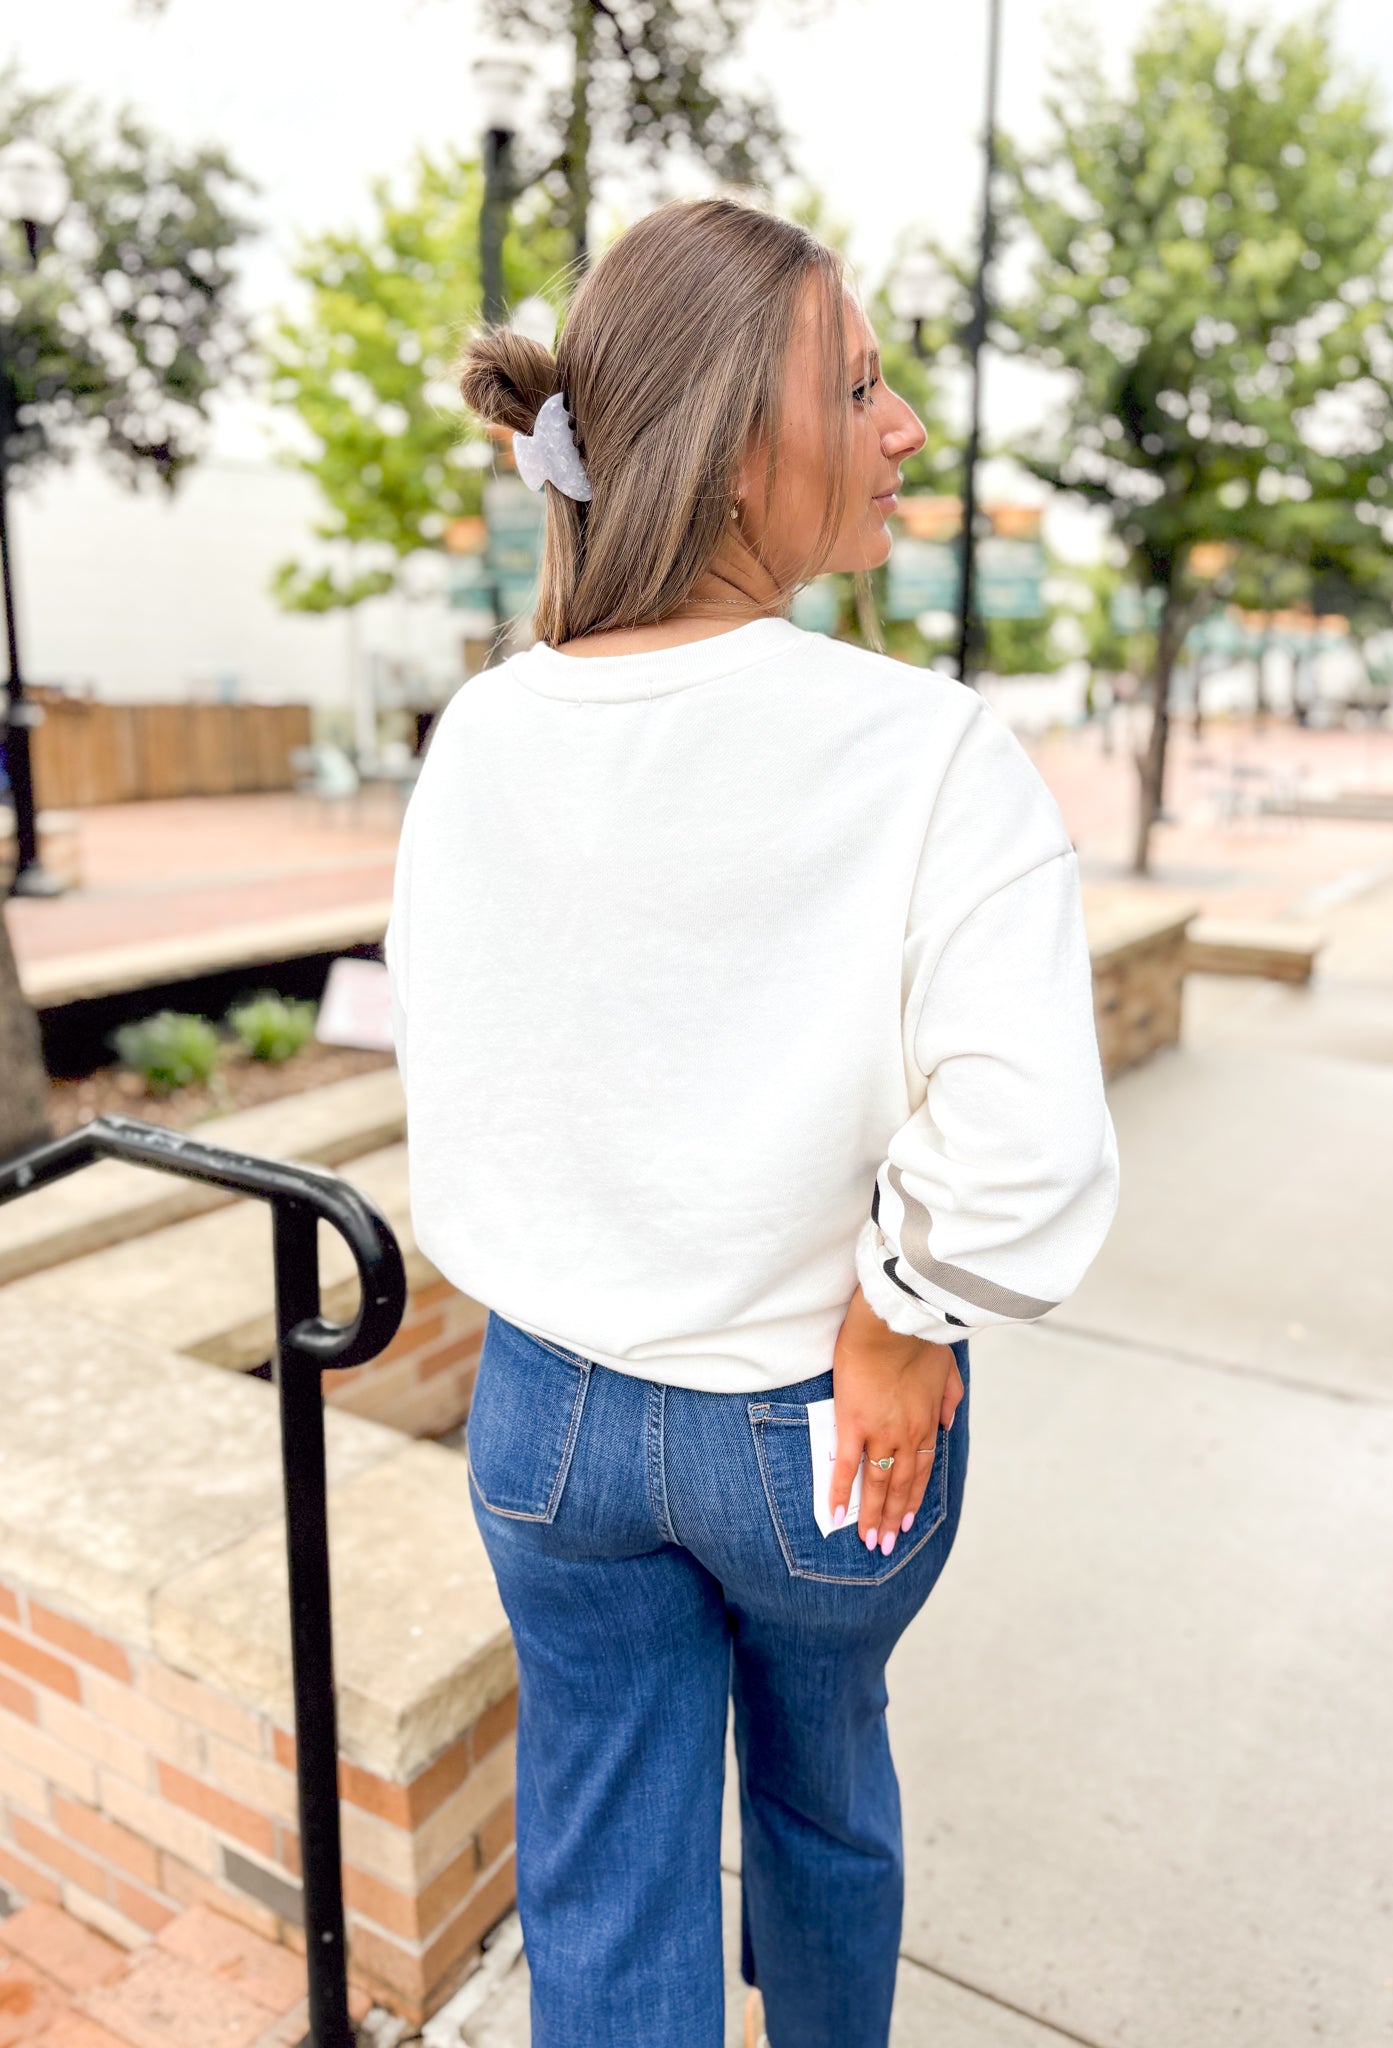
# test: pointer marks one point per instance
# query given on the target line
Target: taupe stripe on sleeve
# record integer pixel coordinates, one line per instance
(914, 1250)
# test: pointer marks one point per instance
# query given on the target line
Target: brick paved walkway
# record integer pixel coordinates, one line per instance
(1220, 850)
(204, 1981)
(163, 870)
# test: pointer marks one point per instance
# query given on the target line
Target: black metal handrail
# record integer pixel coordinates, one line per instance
(300, 1198)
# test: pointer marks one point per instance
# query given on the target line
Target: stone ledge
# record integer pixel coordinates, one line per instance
(421, 1642)
(122, 1465)
(1121, 922)
(111, 1202)
(75, 978)
(1272, 950)
(141, 1493)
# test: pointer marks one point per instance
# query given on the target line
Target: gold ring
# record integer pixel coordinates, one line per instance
(884, 1463)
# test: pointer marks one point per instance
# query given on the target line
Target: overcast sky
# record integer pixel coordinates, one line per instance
(313, 98)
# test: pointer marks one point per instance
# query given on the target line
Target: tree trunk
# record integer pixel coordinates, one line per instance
(578, 133)
(23, 1082)
(1151, 762)
(1199, 694)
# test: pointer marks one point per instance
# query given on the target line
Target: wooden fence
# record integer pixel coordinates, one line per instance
(91, 753)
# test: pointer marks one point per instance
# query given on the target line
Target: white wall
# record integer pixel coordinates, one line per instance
(140, 595)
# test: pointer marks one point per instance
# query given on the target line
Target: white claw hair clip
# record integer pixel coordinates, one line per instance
(548, 455)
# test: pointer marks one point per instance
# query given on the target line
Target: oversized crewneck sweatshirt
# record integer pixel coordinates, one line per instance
(727, 975)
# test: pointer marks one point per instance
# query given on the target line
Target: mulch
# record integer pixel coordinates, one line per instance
(240, 1083)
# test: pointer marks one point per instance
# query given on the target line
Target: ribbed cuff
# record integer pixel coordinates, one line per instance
(899, 1311)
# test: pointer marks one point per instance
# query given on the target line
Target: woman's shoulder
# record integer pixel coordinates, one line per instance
(919, 707)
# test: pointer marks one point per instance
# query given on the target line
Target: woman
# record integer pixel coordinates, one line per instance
(744, 1008)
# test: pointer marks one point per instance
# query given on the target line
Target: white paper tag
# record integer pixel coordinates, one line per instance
(822, 1442)
(356, 1006)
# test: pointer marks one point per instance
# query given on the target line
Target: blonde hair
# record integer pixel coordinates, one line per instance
(671, 357)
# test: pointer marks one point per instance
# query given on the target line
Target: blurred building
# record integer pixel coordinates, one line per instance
(139, 596)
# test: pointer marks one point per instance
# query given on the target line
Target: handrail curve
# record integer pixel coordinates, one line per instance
(354, 1215)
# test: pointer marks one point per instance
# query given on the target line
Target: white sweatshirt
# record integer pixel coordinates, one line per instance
(725, 976)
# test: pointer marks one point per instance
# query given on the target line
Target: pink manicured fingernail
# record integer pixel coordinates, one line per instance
(838, 1518)
(888, 1545)
(907, 1524)
(870, 1539)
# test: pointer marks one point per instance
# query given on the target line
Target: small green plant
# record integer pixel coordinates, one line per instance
(168, 1050)
(272, 1027)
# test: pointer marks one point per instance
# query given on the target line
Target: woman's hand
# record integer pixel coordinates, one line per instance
(891, 1394)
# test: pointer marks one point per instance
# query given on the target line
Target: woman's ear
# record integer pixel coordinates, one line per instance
(753, 475)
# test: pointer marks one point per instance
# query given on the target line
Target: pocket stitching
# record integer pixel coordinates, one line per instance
(553, 1500)
(757, 1424)
(571, 1357)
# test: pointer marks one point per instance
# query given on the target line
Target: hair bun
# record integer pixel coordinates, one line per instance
(506, 377)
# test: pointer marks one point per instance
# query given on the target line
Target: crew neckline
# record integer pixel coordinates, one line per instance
(655, 672)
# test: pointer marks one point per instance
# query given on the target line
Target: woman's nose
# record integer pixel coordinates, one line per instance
(904, 436)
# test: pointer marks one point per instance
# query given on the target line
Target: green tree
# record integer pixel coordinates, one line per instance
(1208, 246)
(113, 340)
(911, 363)
(650, 81)
(116, 339)
(366, 365)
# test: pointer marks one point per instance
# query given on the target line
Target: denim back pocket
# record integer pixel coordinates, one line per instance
(523, 1422)
(785, 1463)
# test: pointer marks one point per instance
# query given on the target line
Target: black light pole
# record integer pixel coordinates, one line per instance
(501, 78)
(976, 335)
(493, 220)
(33, 193)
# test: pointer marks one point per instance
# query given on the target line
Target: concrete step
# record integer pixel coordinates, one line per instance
(110, 1203)
(205, 1286)
(1271, 950)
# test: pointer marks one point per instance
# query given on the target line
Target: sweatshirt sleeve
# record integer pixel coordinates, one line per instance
(996, 1195)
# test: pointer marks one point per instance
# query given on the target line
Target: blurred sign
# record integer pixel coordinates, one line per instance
(514, 522)
(470, 584)
(1015, 522)
(925, 518)
(465, 536)
(356, 1006)
(817, 607)
(1221, 635)
(923, 576)
(1238, 635)
(1136, 611)
(1210, 558)
(925, 573)
(1010, 579)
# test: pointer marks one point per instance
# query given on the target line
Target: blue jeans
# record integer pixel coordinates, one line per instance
(656, 1552)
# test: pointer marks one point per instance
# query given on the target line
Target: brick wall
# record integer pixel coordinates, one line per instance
(423, 1381)
(129, 1790)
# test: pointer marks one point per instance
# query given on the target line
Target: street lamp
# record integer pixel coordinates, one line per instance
(501, 78)
(918, 294)
(920, 291)
(33, 191)
(976, 335)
